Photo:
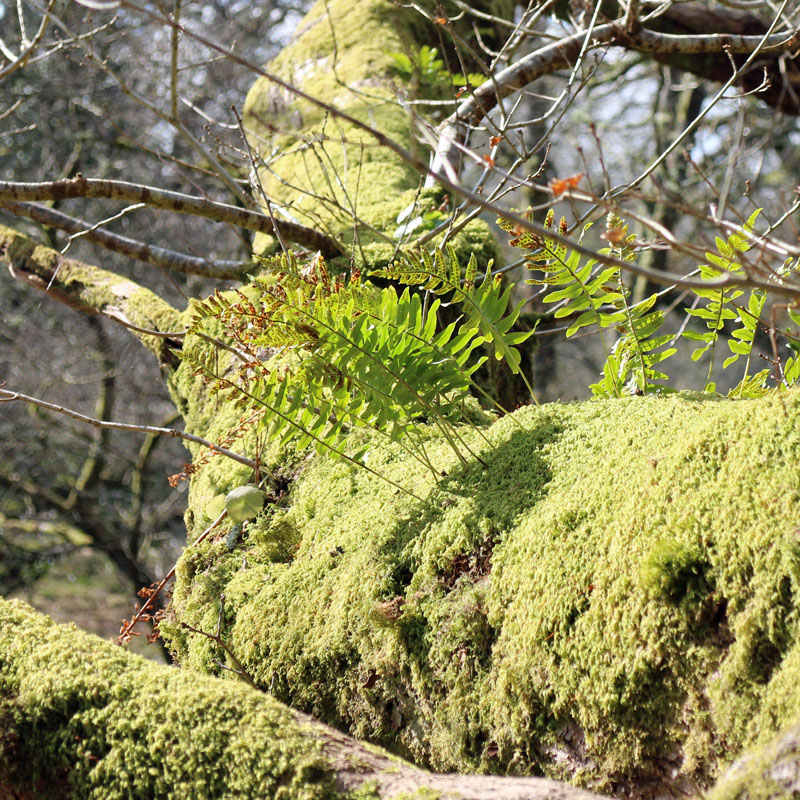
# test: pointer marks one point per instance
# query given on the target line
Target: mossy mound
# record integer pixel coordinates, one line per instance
(612, 599)
(81, 718)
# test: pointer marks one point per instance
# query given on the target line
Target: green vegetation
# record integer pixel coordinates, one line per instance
(535, 599)
(126, 728)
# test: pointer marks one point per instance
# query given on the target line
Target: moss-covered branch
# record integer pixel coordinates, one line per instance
(92, 290)
(81, 718)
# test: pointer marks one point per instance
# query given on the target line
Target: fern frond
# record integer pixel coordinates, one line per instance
(593, 293)
(327, 357)
(486, 305)
(719, 306)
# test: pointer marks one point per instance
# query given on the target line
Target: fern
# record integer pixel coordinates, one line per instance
(791, 370)
(741, 344)
(486, 304)
(594, 293)
(323, 357)
(718, 309)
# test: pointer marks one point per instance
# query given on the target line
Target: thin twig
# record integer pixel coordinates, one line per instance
(217, 639)
(7, 396)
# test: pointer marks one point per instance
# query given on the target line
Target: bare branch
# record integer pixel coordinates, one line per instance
(168, 201)
(29, 47)
(147, 253)
(8, 396)
(561, 54)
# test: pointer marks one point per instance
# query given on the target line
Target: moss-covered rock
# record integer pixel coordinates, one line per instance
(325, 169)
(612, 599)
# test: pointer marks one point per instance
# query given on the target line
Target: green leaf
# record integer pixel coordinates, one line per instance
(215, 506)
(244, 502)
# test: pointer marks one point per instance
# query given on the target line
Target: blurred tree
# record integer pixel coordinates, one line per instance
(63, 489)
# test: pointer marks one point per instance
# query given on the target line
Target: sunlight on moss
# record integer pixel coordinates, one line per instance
(618, 586)
(132, 729)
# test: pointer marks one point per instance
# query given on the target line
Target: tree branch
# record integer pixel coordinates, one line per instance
(147, 253)
(92, 290)
(18, 61)
(168, 201)
(8, 396)
(561, 54)
(230, 735)
(96, 457)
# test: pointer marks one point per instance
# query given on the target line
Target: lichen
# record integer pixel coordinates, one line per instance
(613, 596)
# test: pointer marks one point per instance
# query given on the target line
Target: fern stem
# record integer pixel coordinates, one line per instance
(322, 442)
(717, 328)
(632, 331)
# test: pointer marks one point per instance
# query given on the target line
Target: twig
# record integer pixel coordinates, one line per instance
(217, 638)
(20, 60)
(126, 631)
(8, 396)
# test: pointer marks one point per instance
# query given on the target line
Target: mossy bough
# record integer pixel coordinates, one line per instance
(614, 600)
(83, 719)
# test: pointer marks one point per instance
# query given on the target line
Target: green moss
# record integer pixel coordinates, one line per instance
(770, 772)
(676, 570)
(326, 169)
(126, 728)
(618, 585)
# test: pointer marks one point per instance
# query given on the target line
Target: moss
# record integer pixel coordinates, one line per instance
(326, 169)
(616, 587)
(130, 729)
(676, 570)
(769, 772)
